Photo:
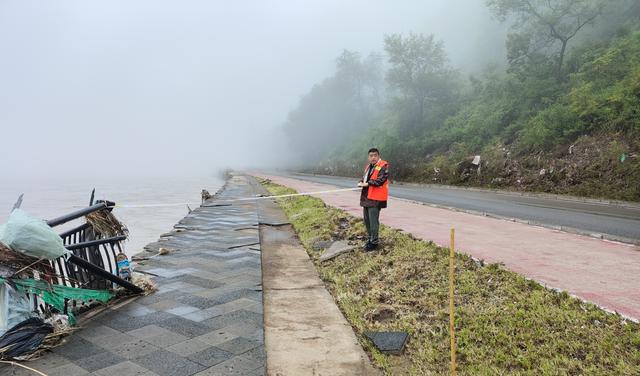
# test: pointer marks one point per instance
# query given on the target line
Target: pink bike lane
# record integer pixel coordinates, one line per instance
(603, 272)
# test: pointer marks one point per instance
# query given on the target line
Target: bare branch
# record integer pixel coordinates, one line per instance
(552, 28)
(581, 25)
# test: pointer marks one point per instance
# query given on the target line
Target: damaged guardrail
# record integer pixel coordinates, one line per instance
(47, 278)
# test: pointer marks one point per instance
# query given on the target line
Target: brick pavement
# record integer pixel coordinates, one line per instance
(206, 317)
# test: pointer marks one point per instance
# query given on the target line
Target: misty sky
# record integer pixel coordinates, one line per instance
(184, 87)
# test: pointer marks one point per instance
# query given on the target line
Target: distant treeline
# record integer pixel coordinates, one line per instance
(563, 116)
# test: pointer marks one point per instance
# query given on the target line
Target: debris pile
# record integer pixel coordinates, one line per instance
(104, 222)
(47, 279)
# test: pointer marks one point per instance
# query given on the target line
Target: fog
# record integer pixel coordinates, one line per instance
(148, 88)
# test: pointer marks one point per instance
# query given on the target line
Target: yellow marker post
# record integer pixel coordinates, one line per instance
(452, 268)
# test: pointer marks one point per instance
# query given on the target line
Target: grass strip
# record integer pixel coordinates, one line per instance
(505, 323)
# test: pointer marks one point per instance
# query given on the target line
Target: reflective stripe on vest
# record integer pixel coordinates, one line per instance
(380, 193)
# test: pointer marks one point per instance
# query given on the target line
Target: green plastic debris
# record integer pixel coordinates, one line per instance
(55, 295)
(623, 157)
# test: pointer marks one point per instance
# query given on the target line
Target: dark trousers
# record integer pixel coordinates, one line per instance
(372, 223)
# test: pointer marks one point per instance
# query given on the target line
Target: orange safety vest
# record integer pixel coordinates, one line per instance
(380, 193)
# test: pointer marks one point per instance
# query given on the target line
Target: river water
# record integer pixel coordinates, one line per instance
(50, 199)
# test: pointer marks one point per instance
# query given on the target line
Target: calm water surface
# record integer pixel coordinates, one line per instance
(49, 199)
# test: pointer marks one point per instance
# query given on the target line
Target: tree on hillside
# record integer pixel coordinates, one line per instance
(419, 73)
(337, 109)
(362, 77)
(542, 29)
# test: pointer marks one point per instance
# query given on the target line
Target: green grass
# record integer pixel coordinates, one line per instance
(505, 324)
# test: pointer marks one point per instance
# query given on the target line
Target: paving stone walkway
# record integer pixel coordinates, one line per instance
(206, 317)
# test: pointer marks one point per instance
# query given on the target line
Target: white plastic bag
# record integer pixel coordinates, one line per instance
(14, 308)
(31, 236)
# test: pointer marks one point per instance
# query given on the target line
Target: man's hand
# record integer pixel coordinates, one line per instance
(361, 184)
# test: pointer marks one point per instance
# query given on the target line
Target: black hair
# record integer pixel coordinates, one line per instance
(373, 150)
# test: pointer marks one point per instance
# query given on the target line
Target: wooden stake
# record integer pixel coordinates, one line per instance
(452, 333)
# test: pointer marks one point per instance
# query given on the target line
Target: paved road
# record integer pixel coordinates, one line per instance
(620, 223)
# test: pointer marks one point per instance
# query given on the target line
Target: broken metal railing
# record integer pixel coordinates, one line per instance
(84, 243)
(76, 214)
(44, 272)
(93, 261)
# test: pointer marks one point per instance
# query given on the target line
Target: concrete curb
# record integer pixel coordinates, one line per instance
(305, 331)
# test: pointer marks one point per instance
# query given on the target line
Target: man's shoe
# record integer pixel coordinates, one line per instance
(370, 247)
(366, 246)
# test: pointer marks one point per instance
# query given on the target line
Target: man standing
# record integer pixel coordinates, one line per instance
(375, 191)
